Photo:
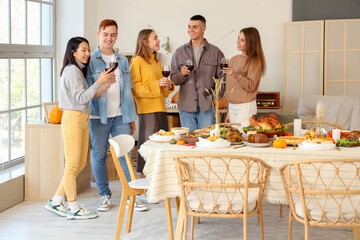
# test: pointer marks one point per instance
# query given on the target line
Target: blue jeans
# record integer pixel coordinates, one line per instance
(99, 134)
(197, 120)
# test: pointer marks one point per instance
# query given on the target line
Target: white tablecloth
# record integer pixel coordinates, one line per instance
(161, 173)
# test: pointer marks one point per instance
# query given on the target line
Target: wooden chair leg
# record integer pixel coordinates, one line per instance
(185, 226)
(260, 218)
(306, 232)
(245, 226)
(281, 210)
(130, 213)
(177, 204)
(192, 228)
(169, 218)
(290, 225)
(121, 214)
(180, 221)
(356, 231)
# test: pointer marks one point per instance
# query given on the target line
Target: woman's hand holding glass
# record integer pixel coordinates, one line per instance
(165, 82)
(106, 78)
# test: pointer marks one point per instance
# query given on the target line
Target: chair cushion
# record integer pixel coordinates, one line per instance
(141, 183)
(207, 202)
(331, 210)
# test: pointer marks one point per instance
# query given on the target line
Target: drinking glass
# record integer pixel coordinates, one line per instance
(223, 63)
(190, 66)
(166, 71)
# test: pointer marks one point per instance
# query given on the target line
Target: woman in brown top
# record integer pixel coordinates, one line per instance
(243, 76)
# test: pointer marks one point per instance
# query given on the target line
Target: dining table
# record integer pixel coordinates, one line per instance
(161, 173)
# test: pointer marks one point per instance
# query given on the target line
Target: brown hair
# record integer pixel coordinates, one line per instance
(141, 48)
(254, 49)
(107, 22)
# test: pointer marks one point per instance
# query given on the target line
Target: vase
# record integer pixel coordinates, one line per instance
(216, 131)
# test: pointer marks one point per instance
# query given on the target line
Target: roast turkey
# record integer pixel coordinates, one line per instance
(267, 122)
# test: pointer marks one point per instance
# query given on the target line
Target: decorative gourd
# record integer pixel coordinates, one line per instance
(279, 143)
(175, 98)
(55, 115)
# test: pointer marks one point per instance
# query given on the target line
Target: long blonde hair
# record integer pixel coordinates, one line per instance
(254, 49)
(141, 49)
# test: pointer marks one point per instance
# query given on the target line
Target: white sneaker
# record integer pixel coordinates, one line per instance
(138, 206)
(81, 213)
(104, 204)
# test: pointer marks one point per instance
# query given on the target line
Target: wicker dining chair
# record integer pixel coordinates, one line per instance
(312, 125)
(220, 186)
(121, 145)
(322, 192)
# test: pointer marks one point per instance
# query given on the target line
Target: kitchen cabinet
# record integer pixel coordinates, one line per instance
(45, 161)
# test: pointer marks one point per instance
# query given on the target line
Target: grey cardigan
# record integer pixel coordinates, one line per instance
(75, 93)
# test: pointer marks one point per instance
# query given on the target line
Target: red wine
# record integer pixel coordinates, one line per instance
(190, 67)
(112, 65)
(224, 65)
(166, 73)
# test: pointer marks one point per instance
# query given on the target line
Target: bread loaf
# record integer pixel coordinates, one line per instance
(257, 138)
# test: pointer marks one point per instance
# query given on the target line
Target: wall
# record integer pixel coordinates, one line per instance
(224, 22)
(69, 23)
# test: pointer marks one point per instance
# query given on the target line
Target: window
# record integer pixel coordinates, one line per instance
(27, 54)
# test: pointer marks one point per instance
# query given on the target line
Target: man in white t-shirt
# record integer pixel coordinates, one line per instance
(113, 109)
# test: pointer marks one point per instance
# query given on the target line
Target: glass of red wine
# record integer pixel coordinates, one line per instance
(190, 66)
(166, 71)
(223, 63)
(111, 64)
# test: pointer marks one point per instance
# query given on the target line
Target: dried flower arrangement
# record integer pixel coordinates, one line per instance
(320, 116)
(216, 92)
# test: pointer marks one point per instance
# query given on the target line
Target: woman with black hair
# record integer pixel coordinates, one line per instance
(74, 99)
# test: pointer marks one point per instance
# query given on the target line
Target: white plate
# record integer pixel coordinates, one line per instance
(316, 146)
(258, 144)
(179, 130)
(158, 138)
(222, 144)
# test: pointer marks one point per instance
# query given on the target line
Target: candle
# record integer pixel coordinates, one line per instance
(336, 133)
(297, 127)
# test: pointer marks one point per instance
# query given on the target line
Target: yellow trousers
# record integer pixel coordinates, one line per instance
(75, 131)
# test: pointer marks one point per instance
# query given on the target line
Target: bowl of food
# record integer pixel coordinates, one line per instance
(179, 130)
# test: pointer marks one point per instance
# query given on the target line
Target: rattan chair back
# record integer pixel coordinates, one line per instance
(323, 192)
(222, 186)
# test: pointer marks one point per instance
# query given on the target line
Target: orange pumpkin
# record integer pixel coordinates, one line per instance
(279, 143)
(55, 115)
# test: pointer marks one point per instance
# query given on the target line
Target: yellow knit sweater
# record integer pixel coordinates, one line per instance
(149, 96)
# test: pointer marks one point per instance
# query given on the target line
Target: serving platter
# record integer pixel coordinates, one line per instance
(258, 145)
(213, 145)
(160, 139)
(317, 147)
(271, 134)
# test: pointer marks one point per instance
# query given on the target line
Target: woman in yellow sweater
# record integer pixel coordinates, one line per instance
(150, 88)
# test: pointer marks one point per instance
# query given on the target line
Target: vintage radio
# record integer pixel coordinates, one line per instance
(268, 100)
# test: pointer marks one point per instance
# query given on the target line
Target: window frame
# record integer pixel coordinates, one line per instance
(27, 51)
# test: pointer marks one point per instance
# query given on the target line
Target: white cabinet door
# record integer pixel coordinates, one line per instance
(302, 61)
(342, 57)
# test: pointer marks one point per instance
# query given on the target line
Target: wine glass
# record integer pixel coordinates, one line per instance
(111, 64)
(166, 73)
(190, 66)
(223, 63)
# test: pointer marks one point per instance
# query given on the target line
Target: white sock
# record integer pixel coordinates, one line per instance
(73, 205)
(57, 199)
